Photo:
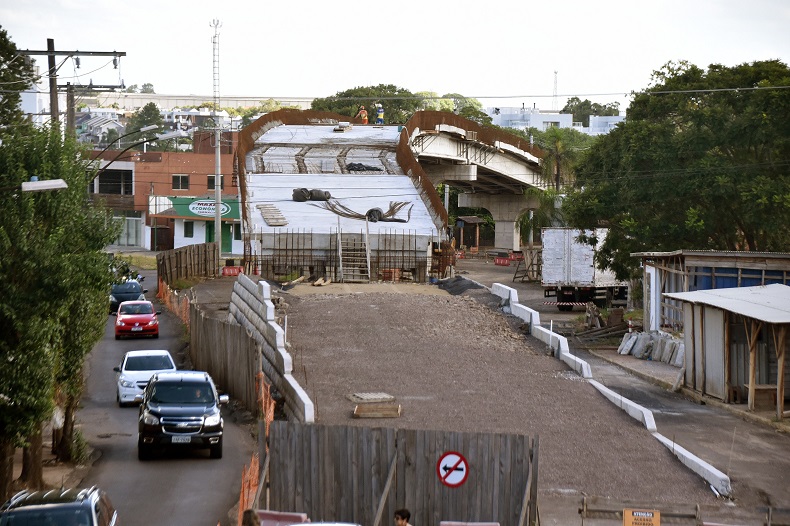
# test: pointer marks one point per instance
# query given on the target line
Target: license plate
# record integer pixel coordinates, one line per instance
(181, 440)
(137, 328)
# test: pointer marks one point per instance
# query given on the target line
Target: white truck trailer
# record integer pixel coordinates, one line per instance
(569, 274)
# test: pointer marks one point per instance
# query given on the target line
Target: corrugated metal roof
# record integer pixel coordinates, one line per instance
(320, 151)
(768, 303)
(713, 253)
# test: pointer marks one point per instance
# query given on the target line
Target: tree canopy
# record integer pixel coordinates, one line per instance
(146, 116)
(16, 75)
(701, 162)
(582, 109)
(54, 279)
(399, 103)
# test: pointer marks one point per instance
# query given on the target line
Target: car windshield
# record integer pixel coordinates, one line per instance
(46, 517)
(137, 308)
(127, 288)
(148, 363)
(182, 393)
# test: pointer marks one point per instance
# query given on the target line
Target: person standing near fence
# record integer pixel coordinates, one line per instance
(402, 517)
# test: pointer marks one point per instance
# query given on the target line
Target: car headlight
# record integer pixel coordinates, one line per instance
(113, 298)
(149, 419)
(153, 322)
(125, 383)
(119, 322)
(141, 297)
(213, 420)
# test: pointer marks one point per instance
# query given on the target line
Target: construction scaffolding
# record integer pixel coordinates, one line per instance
(283, 255)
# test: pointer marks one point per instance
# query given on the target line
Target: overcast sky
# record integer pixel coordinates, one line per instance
(505, 53)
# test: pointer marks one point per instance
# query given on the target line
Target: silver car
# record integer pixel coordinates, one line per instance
(135, 369)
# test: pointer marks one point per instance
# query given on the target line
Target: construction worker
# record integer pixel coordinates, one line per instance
(379, 114)
(362, 114)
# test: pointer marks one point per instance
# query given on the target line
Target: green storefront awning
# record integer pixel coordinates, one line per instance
(202, 208)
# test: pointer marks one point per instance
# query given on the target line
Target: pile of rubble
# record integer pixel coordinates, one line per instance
(660, 347)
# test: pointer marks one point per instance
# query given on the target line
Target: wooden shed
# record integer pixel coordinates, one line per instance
(735, 341)
(689, 270)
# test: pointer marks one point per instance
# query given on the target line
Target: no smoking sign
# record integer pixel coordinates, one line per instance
(452, 469)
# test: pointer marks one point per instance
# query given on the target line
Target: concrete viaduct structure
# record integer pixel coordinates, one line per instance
(493, 168)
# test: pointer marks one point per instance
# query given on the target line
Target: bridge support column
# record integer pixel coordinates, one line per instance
(504, 209)
(507, 235)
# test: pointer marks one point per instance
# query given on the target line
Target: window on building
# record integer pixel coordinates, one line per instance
(237, 231)
(189, 229)
(116, 182)
(211, 182)
(180, 182)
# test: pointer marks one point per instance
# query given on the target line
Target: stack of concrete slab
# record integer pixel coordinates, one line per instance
(656, 346)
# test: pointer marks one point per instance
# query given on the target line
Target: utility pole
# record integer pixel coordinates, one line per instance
(53, 72)
(554, 105)
(217, 146)
(53, 81)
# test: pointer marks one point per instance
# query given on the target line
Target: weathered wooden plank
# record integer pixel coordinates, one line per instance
(328, 481)
(376, 410)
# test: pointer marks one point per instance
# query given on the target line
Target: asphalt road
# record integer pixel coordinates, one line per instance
(177, 488)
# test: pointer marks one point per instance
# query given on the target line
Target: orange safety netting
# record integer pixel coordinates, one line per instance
(176, 303)
(249, 487)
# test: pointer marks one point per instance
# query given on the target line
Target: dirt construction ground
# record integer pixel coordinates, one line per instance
(456, 362)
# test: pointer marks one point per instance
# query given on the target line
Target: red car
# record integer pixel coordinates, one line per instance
(136, 318)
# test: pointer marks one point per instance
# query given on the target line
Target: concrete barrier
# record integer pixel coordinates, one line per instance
(718, 480)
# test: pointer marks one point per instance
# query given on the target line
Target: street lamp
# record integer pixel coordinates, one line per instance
(34, 185)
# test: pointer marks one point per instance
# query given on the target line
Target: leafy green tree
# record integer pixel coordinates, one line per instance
(248, 115)
(16, 75)
(548, 212)
(563, 148)
(430, 100)
(399, 103)
(475, 114)
(110, 137)
(132, 89)
(699, 163)
(51, 243)
(147, 88)
(145, 116)
(582, 109)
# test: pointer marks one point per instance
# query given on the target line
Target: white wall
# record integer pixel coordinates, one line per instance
(199, 236)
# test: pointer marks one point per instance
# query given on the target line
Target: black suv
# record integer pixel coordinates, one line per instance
(62, 507)
(180, 409)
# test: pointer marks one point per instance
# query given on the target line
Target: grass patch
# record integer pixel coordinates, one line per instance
(636, 315)
(142, 262)
(79, 448)
(185, 283)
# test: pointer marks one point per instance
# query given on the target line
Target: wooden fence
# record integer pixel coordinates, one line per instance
(188, 262)
(362, 475)
(226, 351)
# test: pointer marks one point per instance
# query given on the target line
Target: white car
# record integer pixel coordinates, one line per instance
(136, 369)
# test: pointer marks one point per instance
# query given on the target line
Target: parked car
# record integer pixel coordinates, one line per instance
(136, 318)
(180, 409)
(129, 290)
(63, 507)
(134, 371)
